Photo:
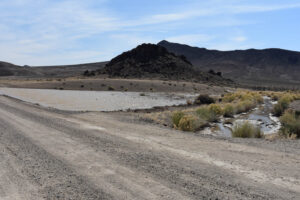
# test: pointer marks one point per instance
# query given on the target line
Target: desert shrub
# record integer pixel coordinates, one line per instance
(110, 88)
(176, 117)
(204, 113)
(278, 109)
(245, 96)
(275, 96)
(216, 109)
(86, 73)
(190, 123)
(249, 105)
(282, 104)
(297, 96)
(287, 98)
(228, 110)
(230, 97)
(204, 99)
(89, 73)
(255, 97)
(207, 113)
(246, 130)
(244, 106)
(290, 123)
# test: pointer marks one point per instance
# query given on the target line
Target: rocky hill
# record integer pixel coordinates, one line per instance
(252, 66)
(7, 69)
(154, 61)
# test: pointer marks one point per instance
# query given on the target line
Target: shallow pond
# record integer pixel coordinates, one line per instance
(95, 100)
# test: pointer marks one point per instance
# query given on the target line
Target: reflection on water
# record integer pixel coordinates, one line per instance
(95, 100)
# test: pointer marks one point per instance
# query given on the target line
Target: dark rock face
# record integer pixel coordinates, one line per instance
(149, 60)
(252, 65)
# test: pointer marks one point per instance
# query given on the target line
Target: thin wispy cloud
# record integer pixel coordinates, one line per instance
(213, 10)
(49, 32)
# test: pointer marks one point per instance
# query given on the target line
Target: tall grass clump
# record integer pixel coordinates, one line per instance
(246, 130)
(176, 117)
(216, 109)
(290, 124)
(228, 110)
(242, 101)
(256, 97)
(244, 106)
(210, 113)
(191, 123)
(283, 104)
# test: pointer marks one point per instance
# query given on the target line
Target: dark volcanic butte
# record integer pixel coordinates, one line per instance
(154, 61)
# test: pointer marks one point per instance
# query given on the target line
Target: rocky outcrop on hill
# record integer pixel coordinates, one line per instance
(153, 61)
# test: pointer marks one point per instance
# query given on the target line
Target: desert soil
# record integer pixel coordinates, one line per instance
(105, 84)
(49, 154)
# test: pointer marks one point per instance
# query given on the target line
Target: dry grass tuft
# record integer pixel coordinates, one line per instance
(290, 124)
(191, 123)
(176, 117)
(247, 130)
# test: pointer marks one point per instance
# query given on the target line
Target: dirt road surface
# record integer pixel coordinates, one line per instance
(46, 154)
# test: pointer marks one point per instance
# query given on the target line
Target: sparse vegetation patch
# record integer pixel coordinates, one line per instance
(246, 130)
(176, 117)
(290, 124)
(191, 123)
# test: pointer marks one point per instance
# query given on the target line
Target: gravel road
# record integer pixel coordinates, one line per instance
(46, 154)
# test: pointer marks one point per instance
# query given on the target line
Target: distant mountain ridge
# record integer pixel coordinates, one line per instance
(267, 66)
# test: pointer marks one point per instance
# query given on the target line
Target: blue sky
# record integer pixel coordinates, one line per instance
(50, 32)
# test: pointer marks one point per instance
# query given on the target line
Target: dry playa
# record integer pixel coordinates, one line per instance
(51, 154)
(73, 100)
